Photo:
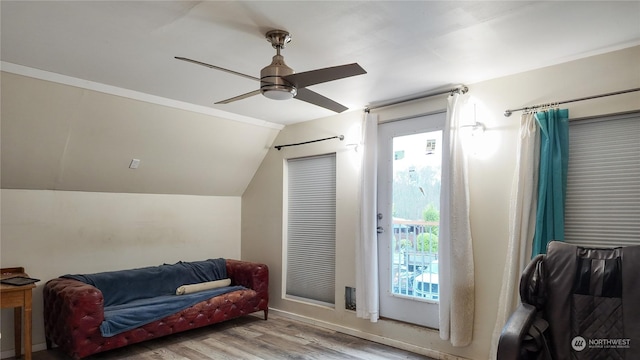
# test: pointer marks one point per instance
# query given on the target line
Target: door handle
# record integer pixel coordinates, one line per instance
(380, 229)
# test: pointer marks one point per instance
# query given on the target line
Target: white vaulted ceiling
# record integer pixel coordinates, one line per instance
(407, 47)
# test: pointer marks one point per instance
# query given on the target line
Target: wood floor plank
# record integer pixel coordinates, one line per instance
(166, 354)
(189, 351)
(224, 351)
(251, 338)
(333, 342)
(283, 335)
(259, 348)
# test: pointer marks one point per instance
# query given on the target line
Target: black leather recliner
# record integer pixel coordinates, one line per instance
(576, 303)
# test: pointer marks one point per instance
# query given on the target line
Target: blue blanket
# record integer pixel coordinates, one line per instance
(136, 297)
(121, 318)
(124, 286)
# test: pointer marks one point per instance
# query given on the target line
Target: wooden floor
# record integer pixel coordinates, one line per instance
(251, 338)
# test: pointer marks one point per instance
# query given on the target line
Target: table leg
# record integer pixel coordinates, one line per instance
(27, 325)
(17, 330)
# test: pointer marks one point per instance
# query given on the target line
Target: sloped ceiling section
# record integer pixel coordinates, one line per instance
(60, 137)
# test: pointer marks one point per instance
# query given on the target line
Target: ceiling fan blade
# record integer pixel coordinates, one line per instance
(217, 68)
(314, 98)
(308, 78)
(240, 97)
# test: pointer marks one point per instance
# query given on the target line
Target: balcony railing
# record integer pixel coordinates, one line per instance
(414, 267)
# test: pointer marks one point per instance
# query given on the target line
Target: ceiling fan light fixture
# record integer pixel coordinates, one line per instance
(279, 92)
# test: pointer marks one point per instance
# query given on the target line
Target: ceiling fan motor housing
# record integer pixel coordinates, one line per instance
(272, 84)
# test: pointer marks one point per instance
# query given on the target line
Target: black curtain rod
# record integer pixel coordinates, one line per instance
(341, 137)
(508, 113)
(458, 89)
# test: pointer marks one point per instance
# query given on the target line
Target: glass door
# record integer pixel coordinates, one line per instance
(409, 171)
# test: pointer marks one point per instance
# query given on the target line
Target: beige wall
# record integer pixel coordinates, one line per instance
(490, 175)
(52, 233)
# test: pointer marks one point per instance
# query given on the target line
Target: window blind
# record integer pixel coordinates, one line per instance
(311, 228)
(603, 182)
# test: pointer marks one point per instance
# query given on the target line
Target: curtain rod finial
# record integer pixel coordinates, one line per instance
(507, 113)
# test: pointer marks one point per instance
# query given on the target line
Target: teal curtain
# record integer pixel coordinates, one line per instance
(552, 180)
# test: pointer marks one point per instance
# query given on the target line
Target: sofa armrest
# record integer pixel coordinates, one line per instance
(251, 275)
(71, 308)
(514, 331)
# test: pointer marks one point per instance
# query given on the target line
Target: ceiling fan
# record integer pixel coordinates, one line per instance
(279, 82)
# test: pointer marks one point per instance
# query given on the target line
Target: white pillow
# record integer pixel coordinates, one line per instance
(188, 289)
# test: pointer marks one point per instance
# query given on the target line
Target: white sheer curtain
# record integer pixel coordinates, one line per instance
(367, 286)
(457, 294)
(522, 222)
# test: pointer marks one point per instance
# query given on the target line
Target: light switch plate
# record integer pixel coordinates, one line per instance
(134, 163)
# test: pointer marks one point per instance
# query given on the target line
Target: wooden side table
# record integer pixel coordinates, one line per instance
(19, 298)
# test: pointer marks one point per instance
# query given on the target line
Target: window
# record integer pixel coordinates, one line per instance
(311, 228)
(603, 182)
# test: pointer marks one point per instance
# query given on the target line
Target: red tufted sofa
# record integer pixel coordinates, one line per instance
(73, 311)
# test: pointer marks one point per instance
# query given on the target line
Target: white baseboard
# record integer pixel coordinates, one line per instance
(367, 336)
